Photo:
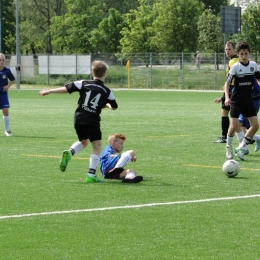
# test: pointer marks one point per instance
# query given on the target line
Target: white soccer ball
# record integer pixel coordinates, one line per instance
(231, 168)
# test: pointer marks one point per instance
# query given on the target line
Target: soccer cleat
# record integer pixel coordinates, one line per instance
(136, 179)
(93, 179)
(66, 156)
(240, 153)
(221, 140)
(246, 151)
(8, 133)
(257, 145)
(229, 153)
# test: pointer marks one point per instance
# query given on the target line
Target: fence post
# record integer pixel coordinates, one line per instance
(182, 68)
(215, 72)
(48, 66)
(151, 74)
(76, 66)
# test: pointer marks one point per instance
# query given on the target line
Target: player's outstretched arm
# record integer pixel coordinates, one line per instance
(51, 91)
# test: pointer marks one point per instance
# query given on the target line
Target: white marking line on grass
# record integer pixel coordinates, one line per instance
(128, 207)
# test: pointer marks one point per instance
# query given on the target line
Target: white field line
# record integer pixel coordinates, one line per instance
(128, 206)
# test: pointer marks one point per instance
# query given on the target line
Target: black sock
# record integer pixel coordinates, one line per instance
(91, 171)
(225, 126)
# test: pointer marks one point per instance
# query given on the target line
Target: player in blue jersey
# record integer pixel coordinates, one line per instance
(241, 101)
(112, 161)
(93, 97)
(5, 75)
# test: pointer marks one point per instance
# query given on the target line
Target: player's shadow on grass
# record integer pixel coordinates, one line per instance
(148, 181)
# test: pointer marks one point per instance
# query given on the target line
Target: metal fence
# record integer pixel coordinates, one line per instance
(147, 70)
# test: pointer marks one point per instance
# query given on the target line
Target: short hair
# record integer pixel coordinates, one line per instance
(232, 44)
(99, 67)
(1, 54)
(113, 137)
(243, 46)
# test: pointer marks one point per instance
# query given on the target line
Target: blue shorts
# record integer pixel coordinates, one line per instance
(4, 102)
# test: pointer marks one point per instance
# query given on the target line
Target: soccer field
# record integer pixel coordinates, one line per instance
(185, 208)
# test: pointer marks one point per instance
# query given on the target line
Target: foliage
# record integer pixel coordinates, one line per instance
(138, 30)
(176, 25)
(35, 23)
(214, 5)
(8, 27)
(210, 36)
(251, 26)
(106, 37)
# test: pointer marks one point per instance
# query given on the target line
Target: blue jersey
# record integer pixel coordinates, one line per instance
(5, 74)
(107, 163)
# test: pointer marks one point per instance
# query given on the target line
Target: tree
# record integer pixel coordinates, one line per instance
(176, 25)
(251, 26)
(210, 36)
(214, 5)
(122, 6)
(35, 23)
(106, 37)
(8, 27)
(138, 31)
(71, 32)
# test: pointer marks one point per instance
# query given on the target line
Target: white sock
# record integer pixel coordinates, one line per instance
(76, 147)
(130, 175)
(240, 136)
(230, 141)
(93, 161)
(6, 120)
(124, 159)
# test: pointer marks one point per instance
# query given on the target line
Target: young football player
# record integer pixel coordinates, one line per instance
(93, 96)
(112, 161)
(5, 75)
(240, 100)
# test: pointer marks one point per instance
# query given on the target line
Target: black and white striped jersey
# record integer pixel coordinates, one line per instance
(244, 81)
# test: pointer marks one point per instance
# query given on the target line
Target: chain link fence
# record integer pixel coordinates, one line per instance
(147, 70)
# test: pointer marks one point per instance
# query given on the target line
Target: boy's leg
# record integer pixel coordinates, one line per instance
(67, 154)
(6, 121)
(230, 136)
(124, 159)
(93, 162)
(254, 126)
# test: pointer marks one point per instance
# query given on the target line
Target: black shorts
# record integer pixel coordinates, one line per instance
(223, 104)
(84, 132)
(247, 110)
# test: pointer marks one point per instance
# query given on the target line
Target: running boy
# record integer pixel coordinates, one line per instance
(5, 74)
(93, 96)
(241, 101)
(112, 164)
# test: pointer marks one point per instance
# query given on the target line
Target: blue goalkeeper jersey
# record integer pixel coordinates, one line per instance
(5, 75)
(107, 163)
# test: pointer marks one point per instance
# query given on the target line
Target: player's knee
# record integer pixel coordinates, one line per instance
(85, 143)
(132, 153)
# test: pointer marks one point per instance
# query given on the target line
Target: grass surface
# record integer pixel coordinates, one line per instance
(185, 208)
